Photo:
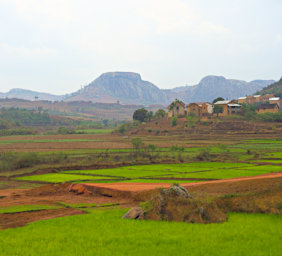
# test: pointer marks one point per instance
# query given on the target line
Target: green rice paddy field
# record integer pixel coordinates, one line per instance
(158, 173)
(103, 232)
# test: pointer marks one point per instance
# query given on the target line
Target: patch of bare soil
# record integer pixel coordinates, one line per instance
(51, 194)
(12, 220)
(115, 189)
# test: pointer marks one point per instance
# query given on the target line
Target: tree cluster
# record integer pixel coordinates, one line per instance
(143, 115)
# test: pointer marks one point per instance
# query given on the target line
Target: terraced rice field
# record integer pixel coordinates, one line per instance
(167, 173)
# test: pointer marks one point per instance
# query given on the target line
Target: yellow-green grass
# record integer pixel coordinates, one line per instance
(60, 178)
(94, 131)
(47, 141)
(264, 141)
(104, 233)
(27, 208)
(160, 169)
(153, 173)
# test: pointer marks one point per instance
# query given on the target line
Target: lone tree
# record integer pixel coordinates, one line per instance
(217, 109)
(149, 116)
(140, 114)
(217, 99)
(137, 144)
(160, 114)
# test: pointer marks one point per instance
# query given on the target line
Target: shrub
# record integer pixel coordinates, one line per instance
(174, 121)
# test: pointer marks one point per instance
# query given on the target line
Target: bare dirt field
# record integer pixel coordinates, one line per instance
(139, 187)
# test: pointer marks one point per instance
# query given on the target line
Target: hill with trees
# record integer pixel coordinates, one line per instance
(274, 88)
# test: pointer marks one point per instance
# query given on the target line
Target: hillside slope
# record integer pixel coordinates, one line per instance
(30, 95)
(275, 88)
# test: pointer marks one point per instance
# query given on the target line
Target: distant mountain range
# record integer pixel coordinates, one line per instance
(30, 95)
(129, 88)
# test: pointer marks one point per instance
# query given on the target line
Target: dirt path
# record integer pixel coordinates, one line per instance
(138, 187)
(22, 218)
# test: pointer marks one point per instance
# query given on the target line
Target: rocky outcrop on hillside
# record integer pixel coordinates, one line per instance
(211, 87)
(125, 87)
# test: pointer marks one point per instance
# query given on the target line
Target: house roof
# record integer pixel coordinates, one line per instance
(256, 96)
(234, 105)
(267, 106)
(274, 98)
(242, 98)
(222, 102)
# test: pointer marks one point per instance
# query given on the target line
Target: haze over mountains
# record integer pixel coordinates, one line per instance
(129, 88)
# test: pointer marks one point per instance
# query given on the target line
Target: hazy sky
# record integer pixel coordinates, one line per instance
(58, 45)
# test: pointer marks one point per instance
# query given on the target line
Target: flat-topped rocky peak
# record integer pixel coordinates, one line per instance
(212, 79)
(123, 75)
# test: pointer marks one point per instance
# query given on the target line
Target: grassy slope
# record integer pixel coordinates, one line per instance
(105, 233)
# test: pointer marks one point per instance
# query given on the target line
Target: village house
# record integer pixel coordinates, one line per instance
(275, 100)
(267, 107)
(265, 98)
(194, 108)
(257, 98)
(200, 108)
(229, 107)
(242, 100)
(176, 108)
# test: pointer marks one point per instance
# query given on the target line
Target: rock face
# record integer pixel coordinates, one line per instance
(176, 204)
(211, 87)
(126, 87)
(177, 191)
(134, 213)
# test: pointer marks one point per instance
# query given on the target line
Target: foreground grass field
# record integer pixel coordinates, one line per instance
(104, 233)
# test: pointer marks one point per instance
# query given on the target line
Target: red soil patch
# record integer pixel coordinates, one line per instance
(130, 187)
(130, 190)
(12, 220)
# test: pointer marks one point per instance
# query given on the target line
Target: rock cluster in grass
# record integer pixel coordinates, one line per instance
(79, 189)
(177, 204)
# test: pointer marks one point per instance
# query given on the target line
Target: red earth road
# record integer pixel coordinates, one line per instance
(138, 187)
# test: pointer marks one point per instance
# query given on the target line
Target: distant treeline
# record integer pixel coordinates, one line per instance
(15, 121)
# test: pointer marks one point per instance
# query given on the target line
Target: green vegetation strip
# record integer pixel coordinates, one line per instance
(104, 233)
(94, 131)
(27, 208)
(47, 141)
(155, 173)
(60, 178)
(264, 141)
